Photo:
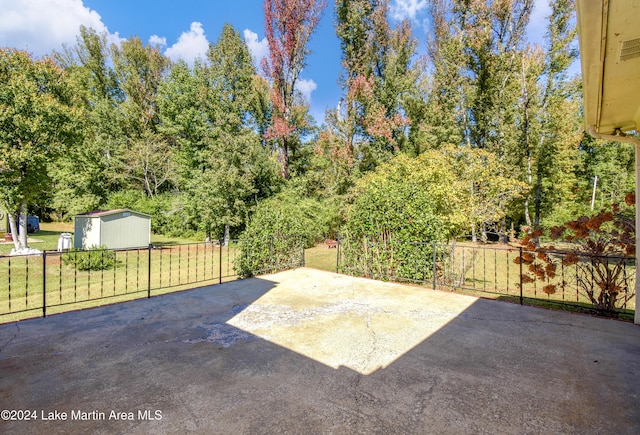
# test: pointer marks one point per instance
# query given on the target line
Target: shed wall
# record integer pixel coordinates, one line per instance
(120, 231)
(86, 232)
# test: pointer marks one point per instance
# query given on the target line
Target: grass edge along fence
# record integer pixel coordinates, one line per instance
(497, 271)
(53, 282)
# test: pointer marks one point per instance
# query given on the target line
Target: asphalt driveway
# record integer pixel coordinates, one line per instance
(307, 351)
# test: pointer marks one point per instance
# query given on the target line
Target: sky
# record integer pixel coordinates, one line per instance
(184, 29)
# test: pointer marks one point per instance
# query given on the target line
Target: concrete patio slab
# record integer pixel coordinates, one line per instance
(306, 351)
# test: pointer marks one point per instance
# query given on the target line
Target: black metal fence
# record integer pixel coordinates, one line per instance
(53, 282)
(500, 270)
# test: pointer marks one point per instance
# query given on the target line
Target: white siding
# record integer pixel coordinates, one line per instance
(86, 232)
(125, 230)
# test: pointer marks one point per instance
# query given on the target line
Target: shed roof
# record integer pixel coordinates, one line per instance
(101, 213)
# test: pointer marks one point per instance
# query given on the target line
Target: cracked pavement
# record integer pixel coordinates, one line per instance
(306, 351)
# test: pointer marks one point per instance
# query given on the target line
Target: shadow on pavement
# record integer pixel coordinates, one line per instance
(176, 363)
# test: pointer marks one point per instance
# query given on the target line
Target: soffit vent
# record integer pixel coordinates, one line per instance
(630, 49)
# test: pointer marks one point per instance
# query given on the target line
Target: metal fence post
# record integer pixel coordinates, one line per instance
(44, 283)
(338, 255)
(520, 275)
(148, 271)
(220, 265)
(435, 257)
(271, 261)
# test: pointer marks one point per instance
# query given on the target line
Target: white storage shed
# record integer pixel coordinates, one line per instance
(115, 229)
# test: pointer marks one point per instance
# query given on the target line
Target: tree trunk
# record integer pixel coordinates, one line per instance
(474, 236)
(19, 231)
(285, 158)
(226, 235)
(502, 232)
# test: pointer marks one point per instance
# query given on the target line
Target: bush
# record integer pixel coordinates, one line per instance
(397, 213)
(164, 210)
(94, 259)
(280, 228)
(598, 246)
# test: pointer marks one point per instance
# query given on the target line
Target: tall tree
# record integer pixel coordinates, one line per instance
(38, 122)
(215, 113)
(550, 129)
(86, 175)
(378, 80)
(288, 25)
(146, 156)
(445, 120)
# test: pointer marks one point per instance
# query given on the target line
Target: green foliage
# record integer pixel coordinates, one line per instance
(404, 201)
(282, 225)
(432, 198)
(210, 110)
(99, 258)
(288, 213)
(39, 118)
(379, 80)
(163, 209)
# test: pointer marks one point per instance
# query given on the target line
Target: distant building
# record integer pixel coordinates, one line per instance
(115, 229)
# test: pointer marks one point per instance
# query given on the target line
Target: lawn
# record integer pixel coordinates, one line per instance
(47, 238)
(321, 257)
(175, 264)
(137, 273)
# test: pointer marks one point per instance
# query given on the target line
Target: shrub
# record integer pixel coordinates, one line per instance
(280, 228)
(164, 209)
(395, 211)
(99, 258)
(598, 247)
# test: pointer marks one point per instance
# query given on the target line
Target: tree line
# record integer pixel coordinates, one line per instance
(482, 134)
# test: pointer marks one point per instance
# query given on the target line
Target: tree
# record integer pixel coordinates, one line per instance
(445, 120)
(214, 114)
(38, 119)
(146, 155)
(550, 131)
(86, 175)
(288, 26)
(379, 81)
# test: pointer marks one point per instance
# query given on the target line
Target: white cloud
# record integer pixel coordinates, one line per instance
(403, 9)
(157, 40)
(258, 48)
(190, 46)
(306, 87)
(41, 26)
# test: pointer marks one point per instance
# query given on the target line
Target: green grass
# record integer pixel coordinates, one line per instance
(321, 257)
(171, 268)
(47, 238)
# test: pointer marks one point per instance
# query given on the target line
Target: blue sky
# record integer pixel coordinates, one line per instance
(184, 28)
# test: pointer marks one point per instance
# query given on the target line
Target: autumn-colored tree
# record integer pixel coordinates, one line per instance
(599, 247)
(379, 79)
(288, 27)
